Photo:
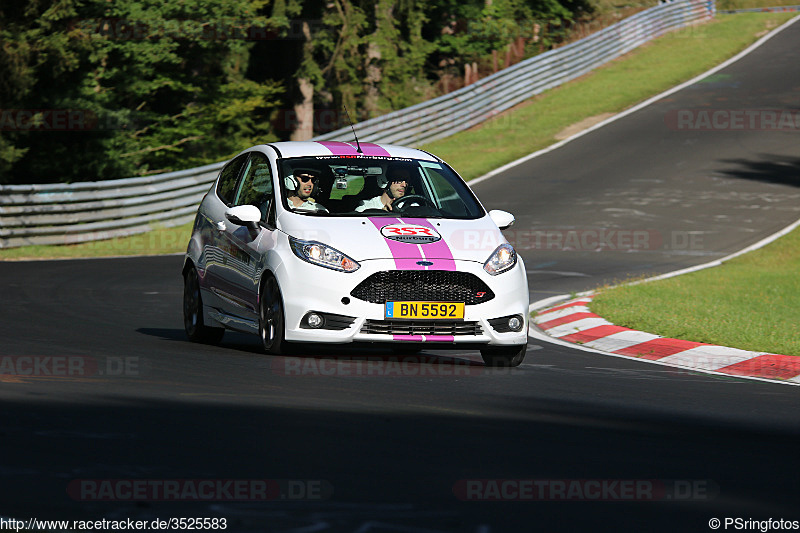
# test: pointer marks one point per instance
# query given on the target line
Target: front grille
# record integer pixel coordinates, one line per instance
(421, 327)
(423, 286)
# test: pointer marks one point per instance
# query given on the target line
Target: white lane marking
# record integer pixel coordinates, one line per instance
(566, 274)
(709, 357)
(637, 107)
(621, 340)
(561, 313)
(577, 326)
(534, 333)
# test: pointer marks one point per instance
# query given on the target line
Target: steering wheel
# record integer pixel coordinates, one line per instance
(417, 199)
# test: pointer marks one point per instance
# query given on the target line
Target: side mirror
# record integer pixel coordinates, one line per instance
(244, 215)
(503, 219)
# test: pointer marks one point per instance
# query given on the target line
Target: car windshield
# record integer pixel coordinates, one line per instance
(365, 186)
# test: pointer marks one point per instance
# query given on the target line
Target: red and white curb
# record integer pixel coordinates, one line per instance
(573, 322)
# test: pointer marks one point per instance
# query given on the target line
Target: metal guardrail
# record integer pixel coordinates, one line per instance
(88, 211)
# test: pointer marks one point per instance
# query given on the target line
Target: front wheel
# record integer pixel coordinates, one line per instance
(504, 356)
(271, 320)
(196, 330)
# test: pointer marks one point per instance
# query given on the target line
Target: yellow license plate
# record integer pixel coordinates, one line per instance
(425, 310)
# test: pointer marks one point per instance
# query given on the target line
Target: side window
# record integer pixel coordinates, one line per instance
(226, 186)
(256, 186)
(446, 196)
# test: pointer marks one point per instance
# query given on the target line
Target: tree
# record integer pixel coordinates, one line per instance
(161, 86)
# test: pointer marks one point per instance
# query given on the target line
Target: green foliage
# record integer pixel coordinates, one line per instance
(155, 86)
(470, 31)
(160, 86)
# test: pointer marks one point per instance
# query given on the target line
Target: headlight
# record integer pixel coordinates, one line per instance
(503, 258)
(324, 256)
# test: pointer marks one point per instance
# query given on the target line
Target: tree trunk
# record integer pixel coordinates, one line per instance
(372, 79)
(304, 109)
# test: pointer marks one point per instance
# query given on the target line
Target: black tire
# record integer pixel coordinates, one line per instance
(196, 330)
(271, 318)
(504, 356)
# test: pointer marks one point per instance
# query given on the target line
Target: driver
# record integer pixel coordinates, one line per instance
(301, 185)
(398, 178)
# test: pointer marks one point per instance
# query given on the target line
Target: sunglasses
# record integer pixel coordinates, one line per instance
(306, 177)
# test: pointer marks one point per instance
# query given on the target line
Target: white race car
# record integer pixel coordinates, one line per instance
(333, 242)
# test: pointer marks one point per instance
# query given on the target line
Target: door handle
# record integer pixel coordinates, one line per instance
(221, 225)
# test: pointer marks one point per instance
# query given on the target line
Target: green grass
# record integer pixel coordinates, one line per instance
(749, 4)
(645, 72)
(530, 126)
(156, 242)
(751, 302)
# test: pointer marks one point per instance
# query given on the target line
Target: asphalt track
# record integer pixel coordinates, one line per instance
(396, 450)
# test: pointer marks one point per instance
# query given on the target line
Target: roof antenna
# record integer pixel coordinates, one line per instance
(353, 128)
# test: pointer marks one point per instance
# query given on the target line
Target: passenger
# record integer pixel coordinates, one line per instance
(301, 187)
(396, 185)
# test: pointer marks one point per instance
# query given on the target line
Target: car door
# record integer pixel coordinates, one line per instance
(215, 255)
(244, 259)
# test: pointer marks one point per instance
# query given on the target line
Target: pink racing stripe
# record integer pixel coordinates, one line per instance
(425, 338)
(405, 255)
(342, 148)
(439, 338)
(414, 338)
(338, 147)
(438, 250)
(373, 149)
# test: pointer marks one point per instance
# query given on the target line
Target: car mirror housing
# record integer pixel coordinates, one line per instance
(244, 215)
(503, 219)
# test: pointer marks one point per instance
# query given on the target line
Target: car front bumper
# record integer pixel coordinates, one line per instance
(306, 288)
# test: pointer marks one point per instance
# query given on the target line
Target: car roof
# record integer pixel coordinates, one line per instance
(289, 149)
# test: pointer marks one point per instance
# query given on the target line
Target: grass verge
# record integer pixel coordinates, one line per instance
(624, 82)
(751, 302)
(754, 4)
(531, 126)
(157, 242)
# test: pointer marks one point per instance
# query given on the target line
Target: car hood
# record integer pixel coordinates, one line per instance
(407, 239)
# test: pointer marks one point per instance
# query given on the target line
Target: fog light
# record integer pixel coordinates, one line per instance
(514, 323)
(314, 320)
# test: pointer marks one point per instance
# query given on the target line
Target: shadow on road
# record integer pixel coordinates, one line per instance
(769, 168)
